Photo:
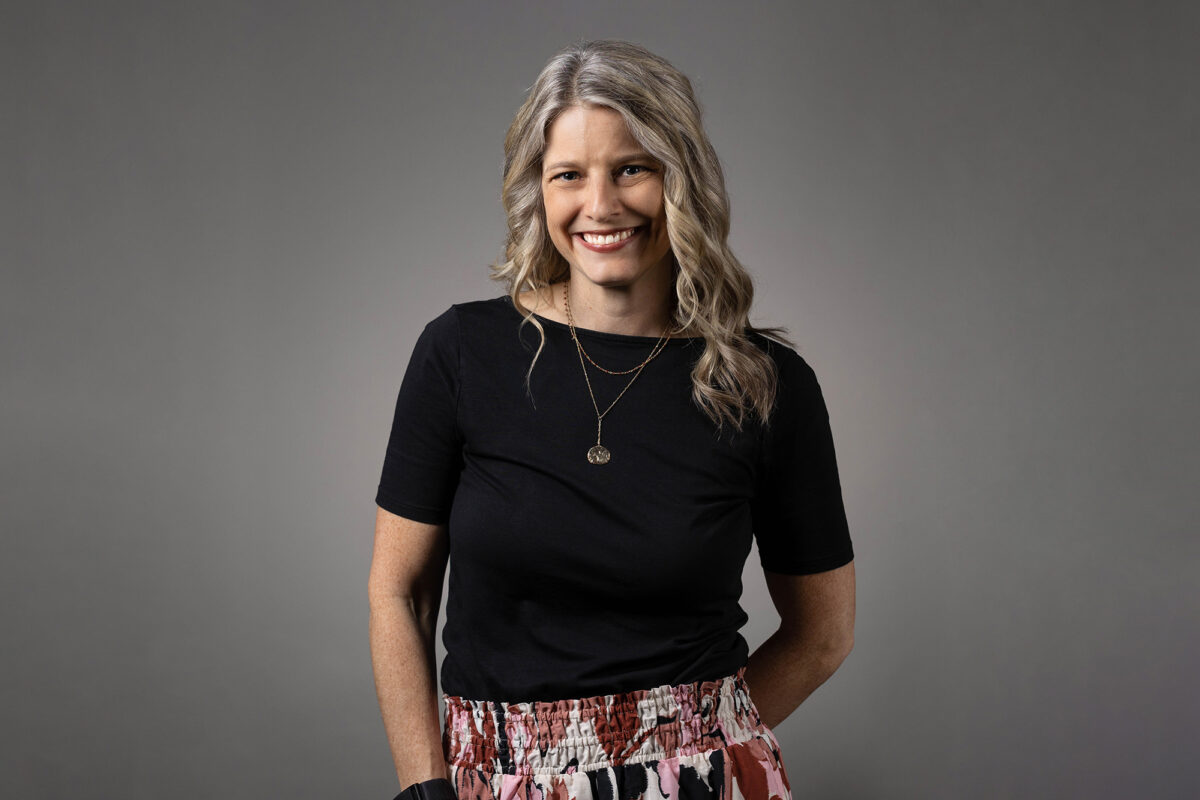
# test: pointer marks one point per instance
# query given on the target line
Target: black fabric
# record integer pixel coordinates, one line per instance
(570, 579)
(432, 789)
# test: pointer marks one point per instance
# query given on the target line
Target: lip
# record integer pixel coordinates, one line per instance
(608, 248)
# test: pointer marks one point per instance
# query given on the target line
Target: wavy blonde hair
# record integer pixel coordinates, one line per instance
(713, 291)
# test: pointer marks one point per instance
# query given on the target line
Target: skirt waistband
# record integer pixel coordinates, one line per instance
(586, 733)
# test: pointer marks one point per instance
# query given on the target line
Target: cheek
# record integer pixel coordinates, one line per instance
(552, 219)
(653, 205)
(556, 218)
(658, 212)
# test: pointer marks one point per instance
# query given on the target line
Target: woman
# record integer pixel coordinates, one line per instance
(593, 452)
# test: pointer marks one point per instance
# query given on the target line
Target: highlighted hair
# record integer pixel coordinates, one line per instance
(733, 378)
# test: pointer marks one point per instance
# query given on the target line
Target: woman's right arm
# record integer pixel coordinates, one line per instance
(405, 593)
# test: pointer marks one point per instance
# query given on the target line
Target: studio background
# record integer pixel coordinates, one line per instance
(225, 223)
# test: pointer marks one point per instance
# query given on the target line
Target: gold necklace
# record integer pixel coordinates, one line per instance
(598, 453)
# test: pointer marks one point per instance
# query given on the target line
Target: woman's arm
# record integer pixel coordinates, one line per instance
(405, 593)
(816, 633)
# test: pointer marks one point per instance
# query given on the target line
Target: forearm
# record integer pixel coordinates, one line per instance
(786, 669)
(402, 656)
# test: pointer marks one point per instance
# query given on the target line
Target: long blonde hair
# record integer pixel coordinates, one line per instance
(713, 291)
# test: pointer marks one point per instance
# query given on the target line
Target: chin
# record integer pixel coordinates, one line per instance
(613, 274)
(609, 278)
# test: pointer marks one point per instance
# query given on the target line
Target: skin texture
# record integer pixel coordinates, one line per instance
(404, 590)
(596, 177)
(815, 634)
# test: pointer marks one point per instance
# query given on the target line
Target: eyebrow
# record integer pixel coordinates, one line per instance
(621, 159)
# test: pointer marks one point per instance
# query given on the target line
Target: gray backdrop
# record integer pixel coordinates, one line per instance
(224, 224)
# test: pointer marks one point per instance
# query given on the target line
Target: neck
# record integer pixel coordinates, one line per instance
(645, 311)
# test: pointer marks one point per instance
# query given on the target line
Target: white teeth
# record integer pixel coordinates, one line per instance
(610, 238)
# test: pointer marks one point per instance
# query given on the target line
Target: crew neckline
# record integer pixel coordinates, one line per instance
(594, 334)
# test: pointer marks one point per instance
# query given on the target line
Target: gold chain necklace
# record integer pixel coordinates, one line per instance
(599, 454)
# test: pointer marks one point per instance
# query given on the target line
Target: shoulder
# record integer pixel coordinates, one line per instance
(798, 394)
(470, 318)
(792, 367)
(468, 328)
(488, 330)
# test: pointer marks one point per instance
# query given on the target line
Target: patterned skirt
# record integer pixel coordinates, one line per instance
(692, 741)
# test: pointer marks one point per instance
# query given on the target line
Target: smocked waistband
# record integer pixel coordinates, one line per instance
(606, 730)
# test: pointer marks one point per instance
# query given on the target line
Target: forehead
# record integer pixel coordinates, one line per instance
(588, 131)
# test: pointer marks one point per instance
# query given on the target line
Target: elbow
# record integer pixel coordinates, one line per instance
(383, 592)
(829, 646)
(840, 639)
(390, 598)
(832, 653)
(834, 648)
(843, 646)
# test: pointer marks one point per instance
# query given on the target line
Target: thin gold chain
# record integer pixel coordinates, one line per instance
(658, 346)
(600, 454)
(600, 417)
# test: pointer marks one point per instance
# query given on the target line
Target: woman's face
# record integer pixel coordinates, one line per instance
(603, 195)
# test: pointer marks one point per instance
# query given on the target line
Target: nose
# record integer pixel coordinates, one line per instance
(603, 200)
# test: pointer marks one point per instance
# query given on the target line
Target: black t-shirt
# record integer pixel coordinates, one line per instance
(571, 579)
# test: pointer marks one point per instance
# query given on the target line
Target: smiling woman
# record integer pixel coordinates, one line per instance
(596, 515)
(604, 206)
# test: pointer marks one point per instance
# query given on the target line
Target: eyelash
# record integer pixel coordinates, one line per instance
(641, 169)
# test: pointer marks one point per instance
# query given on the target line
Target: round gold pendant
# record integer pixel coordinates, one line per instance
(599, 455)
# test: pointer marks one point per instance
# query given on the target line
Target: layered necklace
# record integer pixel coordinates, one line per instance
(598, 453)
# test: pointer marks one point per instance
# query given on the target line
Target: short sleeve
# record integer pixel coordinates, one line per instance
(423, 460)
(798, 516)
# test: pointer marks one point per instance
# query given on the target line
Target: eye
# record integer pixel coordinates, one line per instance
(569, 175)
(632, 170)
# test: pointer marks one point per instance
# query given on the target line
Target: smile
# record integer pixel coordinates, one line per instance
(607, 240)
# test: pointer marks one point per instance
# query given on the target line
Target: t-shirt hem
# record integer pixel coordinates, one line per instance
(813, 566)
(431, 516)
